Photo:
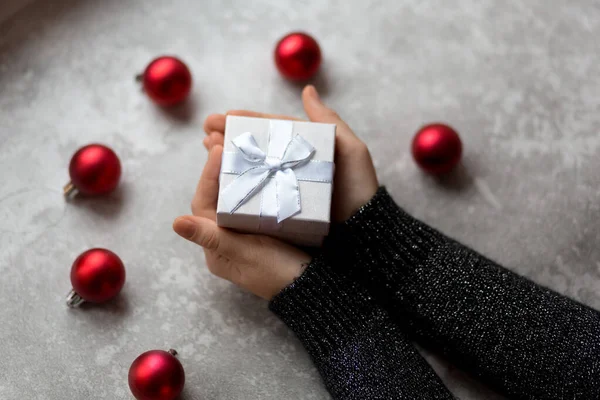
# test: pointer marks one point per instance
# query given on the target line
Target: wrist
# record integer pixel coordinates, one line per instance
(286, 277)
(286, 269)
(359, 200)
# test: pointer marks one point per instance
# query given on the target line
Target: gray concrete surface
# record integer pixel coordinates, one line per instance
(519, 80)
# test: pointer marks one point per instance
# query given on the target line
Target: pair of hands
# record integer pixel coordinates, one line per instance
(258, 263)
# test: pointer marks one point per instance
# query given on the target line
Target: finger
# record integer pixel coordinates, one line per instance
(207, 191)
(206, 143)
(214, 123)
(215, 138)
(319, 112)
(205, 232)
(246, 113)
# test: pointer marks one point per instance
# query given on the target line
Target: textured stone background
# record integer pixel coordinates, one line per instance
(519, 80)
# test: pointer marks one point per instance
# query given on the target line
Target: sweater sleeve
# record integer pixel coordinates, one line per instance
(522, 339)
(358, 351)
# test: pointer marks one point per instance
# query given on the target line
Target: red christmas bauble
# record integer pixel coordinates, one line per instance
(97, 275)
(298, 56)
(94, 169)
(436, 148)
(156, 375)
(167, 81)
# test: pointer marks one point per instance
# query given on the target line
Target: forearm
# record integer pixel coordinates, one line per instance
(358, 351)
(523, 339)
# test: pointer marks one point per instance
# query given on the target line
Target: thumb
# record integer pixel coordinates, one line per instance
(319, 112)
(205, 232)
(315, 109)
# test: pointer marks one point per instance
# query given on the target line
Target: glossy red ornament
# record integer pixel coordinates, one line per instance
(437, 148)
(298, 56)
(97, 275)
(156, 375)
(167, 80)
(94, 170)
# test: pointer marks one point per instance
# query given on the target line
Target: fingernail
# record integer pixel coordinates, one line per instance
(184, 227)
(313, 93)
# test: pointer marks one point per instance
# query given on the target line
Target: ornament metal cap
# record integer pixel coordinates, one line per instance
(74, 300)
(69, 190)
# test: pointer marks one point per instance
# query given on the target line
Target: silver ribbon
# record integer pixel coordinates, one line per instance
(287, 161)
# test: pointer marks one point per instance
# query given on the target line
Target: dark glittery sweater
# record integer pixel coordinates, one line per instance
(385, 278)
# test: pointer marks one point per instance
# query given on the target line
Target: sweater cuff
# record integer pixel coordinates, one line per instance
(382, 225)
(324, 308)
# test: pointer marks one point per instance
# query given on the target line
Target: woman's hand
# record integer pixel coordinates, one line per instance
(259, 263)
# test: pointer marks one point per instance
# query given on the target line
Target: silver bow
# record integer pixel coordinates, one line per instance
(288, 160)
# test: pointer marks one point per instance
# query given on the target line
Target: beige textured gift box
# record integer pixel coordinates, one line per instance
(311, 224)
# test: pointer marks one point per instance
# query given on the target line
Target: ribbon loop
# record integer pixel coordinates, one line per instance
(298, 151)
(255, 168)
(248, 147)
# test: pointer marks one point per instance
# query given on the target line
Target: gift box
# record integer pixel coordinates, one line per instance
(277, 178)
